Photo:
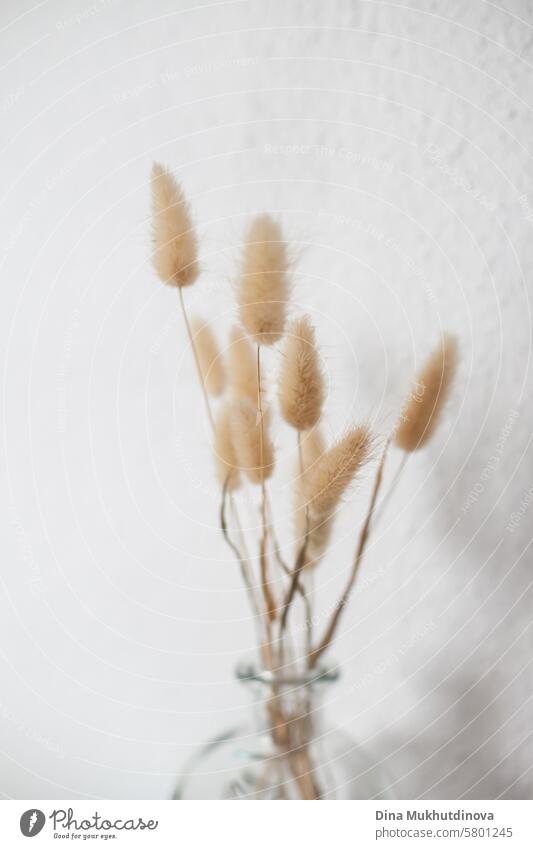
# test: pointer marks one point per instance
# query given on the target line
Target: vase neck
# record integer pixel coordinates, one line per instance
(287, 706)
(315, 678)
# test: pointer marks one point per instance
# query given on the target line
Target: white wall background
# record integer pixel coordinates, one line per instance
(122, 614)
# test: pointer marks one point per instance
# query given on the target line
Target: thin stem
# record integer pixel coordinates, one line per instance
(394, 483)
(276, 548)
(308, 572)
(363, 537)
(300, 453)
(308, 611)
(244, 546)
(256, 607)
(242, 562)
(270, 604)
(295, 575)
(276, 551)
(283, 566)
(300, 560)
(300, 587)
(263, 560)
(196, 360)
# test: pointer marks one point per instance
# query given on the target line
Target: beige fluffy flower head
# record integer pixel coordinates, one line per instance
(301, 387)
(326, 477)
(422, 411)
(209, 358)
(242, 366)
(329, 478)
(263, 285)
(175, 249)
(313, 446)
(255, 456)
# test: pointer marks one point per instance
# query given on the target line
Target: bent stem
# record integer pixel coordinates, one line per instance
(363, 537)
(266, 649)
(300, 559)
(234, 547)
(295, 581)
(212, 423)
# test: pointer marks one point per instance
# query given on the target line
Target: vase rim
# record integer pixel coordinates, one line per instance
(249, 671)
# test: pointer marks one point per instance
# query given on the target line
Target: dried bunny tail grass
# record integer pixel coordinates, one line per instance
(326, 477)
(301, 387)
(242, 366)
(256, 460)
(209, 358)
(327, 481)
(225, 454)
(175, 247)
(422, 411)
(313, 446)
(263, 286)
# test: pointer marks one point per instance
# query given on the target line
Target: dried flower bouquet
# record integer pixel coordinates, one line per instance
(244, 454)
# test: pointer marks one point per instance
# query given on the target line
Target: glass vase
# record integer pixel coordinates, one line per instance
(285, 750)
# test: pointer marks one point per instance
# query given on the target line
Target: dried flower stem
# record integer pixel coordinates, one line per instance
(300, 587)
(392, 488)
(363, 537)
(242, 538)
(196, 359)
(295, 578)
(301, 466)
(307, 576)
(300, 558)
(270, 602)
(232, 545)
(276, 548)
(266, 647)
(282, 564)
(242, 561)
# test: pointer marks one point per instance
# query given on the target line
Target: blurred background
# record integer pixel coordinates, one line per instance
(393, 141)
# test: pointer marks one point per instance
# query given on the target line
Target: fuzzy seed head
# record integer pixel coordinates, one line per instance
(263, 286)
(225, 455)
(242, 366)
(313, 446)
(209, 359)
(318, 527)
(175, 248)
(332, 474)
(422, 412)
(322, 486)
(255, 461)
(301, 387)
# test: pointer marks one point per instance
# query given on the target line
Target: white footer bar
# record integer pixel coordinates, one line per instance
(266, 825)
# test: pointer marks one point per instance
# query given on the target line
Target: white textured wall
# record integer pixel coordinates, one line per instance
(121, 612)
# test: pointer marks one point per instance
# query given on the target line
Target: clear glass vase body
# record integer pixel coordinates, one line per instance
(284, 751)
